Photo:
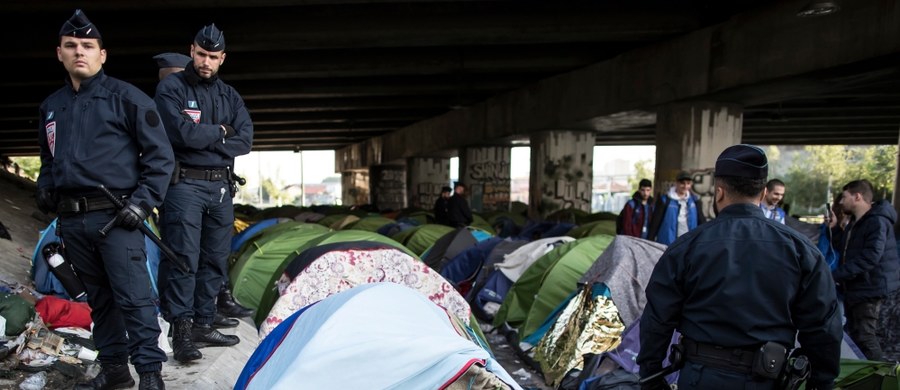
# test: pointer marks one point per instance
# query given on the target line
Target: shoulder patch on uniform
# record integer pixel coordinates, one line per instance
(49, 115)
(152, 118)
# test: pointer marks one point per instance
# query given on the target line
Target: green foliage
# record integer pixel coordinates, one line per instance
(818, 173)
(642, 170)
(29, 167)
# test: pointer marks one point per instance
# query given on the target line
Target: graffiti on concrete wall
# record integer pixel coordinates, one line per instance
(489, 183)
(566, 185)
(390, 189)
(425, 178)
(487, 174)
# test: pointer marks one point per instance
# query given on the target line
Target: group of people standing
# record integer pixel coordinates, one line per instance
(453, 210)
(745, 284)
(174, 152)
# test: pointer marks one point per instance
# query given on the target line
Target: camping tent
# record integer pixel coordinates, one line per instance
(239, 239)
(420, 238)
(612, 297)
(375, 336)
(547, 283)
(269, 295)
(370, 224)
(448, 246)
(329, 268)
(251, 274)
(593, 228)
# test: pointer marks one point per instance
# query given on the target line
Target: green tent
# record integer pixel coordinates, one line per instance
(260, 257)
(548, 282)
(338, 221)
(268, 294)
(480, 223)
(607, 227)
(867, 375)
(420, 238)
(370, 224)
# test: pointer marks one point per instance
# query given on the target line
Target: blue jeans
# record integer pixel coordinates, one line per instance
(196, 222)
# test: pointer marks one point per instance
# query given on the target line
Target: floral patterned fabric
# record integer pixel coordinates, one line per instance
(338, 271)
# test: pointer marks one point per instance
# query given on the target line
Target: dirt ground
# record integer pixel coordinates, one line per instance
(21, 218)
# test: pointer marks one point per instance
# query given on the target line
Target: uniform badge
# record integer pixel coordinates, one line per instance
(51, 136)
(49, 115)
(192, 104)
(194, 114)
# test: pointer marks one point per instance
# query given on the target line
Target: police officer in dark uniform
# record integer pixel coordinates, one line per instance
(169, 63)
(208, 125)
(99, 130)
(739, 289)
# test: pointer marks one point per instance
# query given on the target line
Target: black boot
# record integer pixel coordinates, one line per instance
(220, 322)
(182, 342)
(206, 336)
(111, 376)
(228, 307)
(151, 381)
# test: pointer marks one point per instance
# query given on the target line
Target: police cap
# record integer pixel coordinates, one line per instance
(743, 161)
(79, 26)
(210, 38)
(172, 60)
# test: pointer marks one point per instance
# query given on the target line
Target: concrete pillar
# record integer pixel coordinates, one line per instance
(562, 164)
(424, 179)
(690, 136)
(388, 184)
(355, 187)
(485, 171)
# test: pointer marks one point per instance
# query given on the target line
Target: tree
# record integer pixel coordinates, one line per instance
(30, 166)
(819, 171)
(643, 169)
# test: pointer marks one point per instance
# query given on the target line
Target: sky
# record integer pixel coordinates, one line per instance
(319, 164)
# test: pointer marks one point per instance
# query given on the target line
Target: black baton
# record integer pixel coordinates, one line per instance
(143, 228)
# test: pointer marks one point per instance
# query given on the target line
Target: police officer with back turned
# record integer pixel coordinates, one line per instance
(209, 126)
(97, 130)
(740, 289)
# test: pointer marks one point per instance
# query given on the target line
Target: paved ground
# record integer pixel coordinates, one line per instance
(220, 367)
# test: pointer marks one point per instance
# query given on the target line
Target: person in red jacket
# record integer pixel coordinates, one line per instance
(637, 211)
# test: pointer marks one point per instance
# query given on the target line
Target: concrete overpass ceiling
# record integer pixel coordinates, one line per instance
(322, 74)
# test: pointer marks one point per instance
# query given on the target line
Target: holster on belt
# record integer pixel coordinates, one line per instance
(765, 361)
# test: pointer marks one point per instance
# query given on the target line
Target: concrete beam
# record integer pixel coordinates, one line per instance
(760, 46)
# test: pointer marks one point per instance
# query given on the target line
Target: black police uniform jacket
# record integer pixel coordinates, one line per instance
(108, 132)
(193, 110)
(739, 281)
(869, 264)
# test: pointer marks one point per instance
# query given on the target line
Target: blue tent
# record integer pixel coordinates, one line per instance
(239, 239)
(373, 336)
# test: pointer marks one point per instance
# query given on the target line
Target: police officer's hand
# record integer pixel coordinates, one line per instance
(228, 131)
(46, 200)
(130, 216)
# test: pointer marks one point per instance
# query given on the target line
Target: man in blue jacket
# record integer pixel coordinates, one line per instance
(676, 212)
(208, 126)
(869, 269)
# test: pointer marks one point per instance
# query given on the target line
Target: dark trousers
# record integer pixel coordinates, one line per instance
(695, 376)
(196, 223)
(114, 272)
(862, 323)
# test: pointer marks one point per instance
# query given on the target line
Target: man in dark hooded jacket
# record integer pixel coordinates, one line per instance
(869, 269)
